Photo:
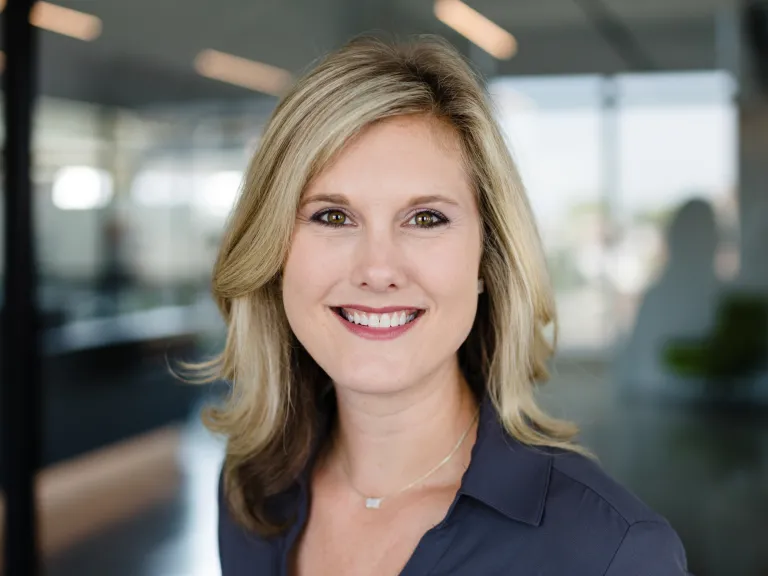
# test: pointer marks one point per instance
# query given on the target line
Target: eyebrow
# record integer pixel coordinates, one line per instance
(342, 200)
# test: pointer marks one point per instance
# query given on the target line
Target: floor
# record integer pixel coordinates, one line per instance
(705, 470)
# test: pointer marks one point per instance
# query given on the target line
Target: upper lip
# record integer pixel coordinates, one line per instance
(369, 310)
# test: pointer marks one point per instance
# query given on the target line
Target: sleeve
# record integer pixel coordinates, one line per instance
(650, 548)
(242, 553)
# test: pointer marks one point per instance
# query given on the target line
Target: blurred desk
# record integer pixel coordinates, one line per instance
(136, 328)
(107, 379)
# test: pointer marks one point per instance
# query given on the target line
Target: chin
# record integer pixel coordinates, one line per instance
(371, 380)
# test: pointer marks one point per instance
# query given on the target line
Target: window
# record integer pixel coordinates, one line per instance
(605, 162)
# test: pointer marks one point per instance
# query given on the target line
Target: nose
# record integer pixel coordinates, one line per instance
(378, 262)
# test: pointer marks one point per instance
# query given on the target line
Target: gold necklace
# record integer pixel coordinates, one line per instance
(374, 502)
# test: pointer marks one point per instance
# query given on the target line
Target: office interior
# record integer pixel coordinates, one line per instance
(640, 130)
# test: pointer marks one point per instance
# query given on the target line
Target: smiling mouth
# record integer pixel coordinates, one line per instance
(383, 321)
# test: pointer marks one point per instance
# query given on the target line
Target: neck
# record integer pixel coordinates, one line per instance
(384, 442)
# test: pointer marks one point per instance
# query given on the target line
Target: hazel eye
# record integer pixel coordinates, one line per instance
(427, 219)
(336, 218)
(333, 218)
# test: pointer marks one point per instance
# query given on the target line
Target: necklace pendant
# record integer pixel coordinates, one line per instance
(373, 503)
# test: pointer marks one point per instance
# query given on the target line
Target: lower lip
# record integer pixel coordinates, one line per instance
(377, 333)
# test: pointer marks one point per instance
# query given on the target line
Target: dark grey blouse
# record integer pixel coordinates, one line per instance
(520, 511)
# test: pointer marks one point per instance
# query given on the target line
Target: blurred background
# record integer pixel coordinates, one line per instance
(641, 131)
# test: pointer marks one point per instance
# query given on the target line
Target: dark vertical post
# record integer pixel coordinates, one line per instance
(20, 362)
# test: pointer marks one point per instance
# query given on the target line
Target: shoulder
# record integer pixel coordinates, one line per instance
(652, 547)
(564, 510)
(583, 495)
(577, 475)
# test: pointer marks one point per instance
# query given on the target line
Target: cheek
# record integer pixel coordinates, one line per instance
(451, 268)
(447, 280)
(309, 272)
(450, 277)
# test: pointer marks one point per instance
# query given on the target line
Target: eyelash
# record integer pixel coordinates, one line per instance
(318, 217)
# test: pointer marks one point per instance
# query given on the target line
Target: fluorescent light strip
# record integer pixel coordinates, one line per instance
(243, 72)
(65, 21)
(476, 28)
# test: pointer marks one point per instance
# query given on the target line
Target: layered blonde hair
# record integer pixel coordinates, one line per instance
(271, 414)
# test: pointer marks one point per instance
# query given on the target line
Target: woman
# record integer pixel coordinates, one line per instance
(386, 294)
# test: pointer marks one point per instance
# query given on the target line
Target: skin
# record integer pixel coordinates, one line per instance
(410, 236)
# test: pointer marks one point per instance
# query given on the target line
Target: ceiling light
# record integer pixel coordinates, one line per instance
(81, 188)
(65, 21)
(243, 72)
(476, 28)
(219, 192)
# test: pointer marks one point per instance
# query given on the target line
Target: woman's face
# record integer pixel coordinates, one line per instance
(389, 237)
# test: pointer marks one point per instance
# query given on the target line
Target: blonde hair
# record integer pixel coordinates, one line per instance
(271, 414)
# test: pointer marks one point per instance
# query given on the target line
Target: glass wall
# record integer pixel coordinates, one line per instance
(607, 162)
(130, 204)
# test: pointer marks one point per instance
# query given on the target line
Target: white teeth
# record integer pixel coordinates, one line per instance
(392, 320)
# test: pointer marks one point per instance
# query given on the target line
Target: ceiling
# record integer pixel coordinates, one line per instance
(145, 53)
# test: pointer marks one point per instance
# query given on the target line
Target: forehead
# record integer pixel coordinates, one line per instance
(399, 158)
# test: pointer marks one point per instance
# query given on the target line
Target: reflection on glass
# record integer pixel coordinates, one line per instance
(606, 161)
(553, 126)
